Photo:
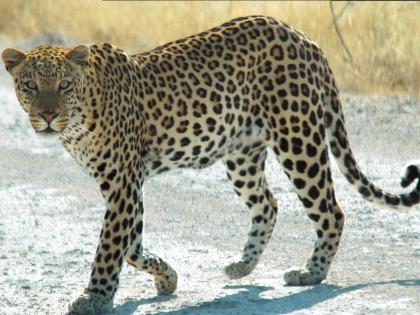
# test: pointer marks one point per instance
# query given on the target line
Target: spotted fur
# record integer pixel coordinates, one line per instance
(229, 93)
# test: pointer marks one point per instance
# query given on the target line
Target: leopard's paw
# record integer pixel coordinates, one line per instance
(166, 282)
(90, 303)
(302, 276)
(238, 269)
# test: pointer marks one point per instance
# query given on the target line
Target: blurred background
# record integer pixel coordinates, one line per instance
(378, 51)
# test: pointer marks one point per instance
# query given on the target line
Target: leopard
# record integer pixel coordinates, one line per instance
(233, 93)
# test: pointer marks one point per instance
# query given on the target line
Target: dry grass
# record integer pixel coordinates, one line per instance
(383, 37)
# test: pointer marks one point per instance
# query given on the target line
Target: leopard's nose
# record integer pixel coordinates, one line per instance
(48, 116)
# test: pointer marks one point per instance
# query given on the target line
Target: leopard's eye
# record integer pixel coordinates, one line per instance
(65, 84)
(31, 85)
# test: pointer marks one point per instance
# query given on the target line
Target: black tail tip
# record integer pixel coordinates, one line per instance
(412, 172)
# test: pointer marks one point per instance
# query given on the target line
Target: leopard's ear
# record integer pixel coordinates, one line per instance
(79, 54)
(12, 58)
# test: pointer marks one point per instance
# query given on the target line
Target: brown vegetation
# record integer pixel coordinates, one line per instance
(383, 37)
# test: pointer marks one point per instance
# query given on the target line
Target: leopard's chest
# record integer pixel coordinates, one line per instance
(90, 152)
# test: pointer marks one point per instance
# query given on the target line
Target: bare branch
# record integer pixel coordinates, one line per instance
(339, 33)
(339, 15)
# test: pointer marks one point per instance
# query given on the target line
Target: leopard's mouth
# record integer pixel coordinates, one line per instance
(48, 132)
(48, 128)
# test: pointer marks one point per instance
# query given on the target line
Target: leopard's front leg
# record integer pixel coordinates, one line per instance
(122, 202)
(164, 275)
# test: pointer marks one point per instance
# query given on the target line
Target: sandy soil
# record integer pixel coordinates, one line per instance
(51, 212)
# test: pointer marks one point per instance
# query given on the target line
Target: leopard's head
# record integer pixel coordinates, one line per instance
(48, 83)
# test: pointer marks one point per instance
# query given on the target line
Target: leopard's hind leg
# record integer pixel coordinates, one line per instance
(307, 166)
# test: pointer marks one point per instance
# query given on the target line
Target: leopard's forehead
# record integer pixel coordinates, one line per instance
(48, 62)
(48, 53)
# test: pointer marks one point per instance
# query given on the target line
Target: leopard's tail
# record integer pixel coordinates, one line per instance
(340, 148)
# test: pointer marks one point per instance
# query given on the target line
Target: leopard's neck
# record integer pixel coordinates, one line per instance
(110, 124)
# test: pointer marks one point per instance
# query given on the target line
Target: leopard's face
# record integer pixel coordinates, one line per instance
(49, 85)
(48, 92)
